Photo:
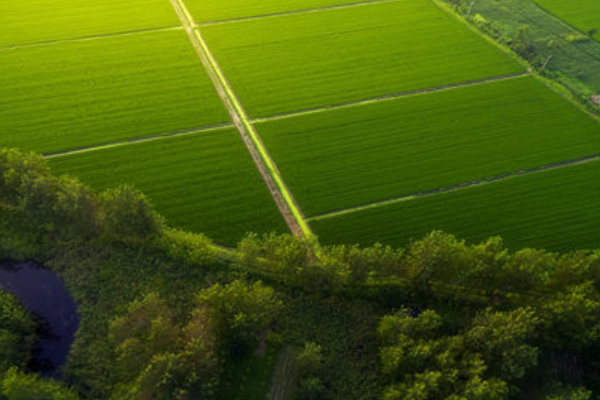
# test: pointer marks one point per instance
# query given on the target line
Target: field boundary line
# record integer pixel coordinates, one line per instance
(393, 96)
(280, 193)
(134, 141)
(294, 12)
(460, 186)
(92, 37)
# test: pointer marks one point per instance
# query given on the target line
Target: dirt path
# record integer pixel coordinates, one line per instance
(280, 193)
(548, 167)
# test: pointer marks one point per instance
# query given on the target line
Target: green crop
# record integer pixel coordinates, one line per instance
(357, 155)
(557, 210)
(33, 21)
(83, 93)
(219, 10)
(301, 61)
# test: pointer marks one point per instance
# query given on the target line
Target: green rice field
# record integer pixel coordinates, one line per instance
(34, 21)
(83, 93)
(219, 10)
(205, 182)
(556, 210)
(358, 155)
(302, 61)
(583, 15)
(344, 104)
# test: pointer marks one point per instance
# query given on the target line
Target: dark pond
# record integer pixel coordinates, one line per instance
(44, 295)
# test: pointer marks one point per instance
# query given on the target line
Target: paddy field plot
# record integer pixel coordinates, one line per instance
(204, 182)
(583, 15)
(222, 10)
(356, 155)
(301, 61)
(83, 93)
(557, 210)
(34, 21)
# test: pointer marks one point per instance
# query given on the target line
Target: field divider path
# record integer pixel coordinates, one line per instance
(390, 97)
(460, 186)
(144, 139)
(93, 37)
(281, 194)
(302, 11)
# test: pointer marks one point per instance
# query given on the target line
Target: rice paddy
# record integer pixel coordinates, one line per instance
(356, 105)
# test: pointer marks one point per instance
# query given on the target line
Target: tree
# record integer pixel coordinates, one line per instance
(21, 386)
(310, 366)
(501, 339)
(129, 215)
(240, 311)
(572, 317)
(158, 358)
(17, 333)
(474, 364)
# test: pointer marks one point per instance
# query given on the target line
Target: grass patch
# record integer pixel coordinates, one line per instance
(84, 93)
(204, 182)
(302, 61)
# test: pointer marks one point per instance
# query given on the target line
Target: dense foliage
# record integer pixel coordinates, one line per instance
(167, 314)
(17, 333)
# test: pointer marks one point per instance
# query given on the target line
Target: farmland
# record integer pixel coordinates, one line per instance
(83, 93)
(556, 210)
(204, 182)
(581, 14)
(357, 155)
(34, 21)
(343, 104)
(574, 61)
(355, 199)
(303, 61)
(218, 10)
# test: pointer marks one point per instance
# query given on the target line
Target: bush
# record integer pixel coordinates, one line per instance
(17, 333)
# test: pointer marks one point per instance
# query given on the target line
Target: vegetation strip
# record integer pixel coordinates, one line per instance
(543, 168)
(136, 141)
(389, 97)
(93, 37)
(282, 196)
(304, 11)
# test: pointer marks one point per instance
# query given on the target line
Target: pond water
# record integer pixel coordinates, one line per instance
(44, 296)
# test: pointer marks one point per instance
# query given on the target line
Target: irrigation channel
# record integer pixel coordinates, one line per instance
(47, 299)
